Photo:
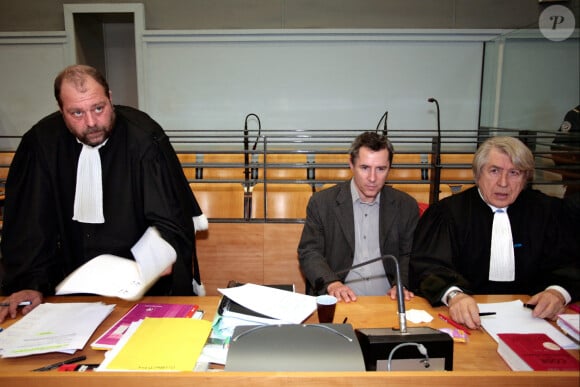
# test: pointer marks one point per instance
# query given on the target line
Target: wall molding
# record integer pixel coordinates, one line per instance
(26, 37)
(467, 35)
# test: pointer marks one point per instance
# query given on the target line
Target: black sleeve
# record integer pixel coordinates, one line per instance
(30, 238)
(431, 268)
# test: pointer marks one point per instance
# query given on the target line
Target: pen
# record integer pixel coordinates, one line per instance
(56, 365)
(529, 306)
(451, 322)
(487, 314)
(23, 303)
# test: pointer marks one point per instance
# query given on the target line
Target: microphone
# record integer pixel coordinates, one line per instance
(259, 128)
(431, 100)
(384, 117)
(380, 344)
(247, 171)
(400, 295)
(437, 172)
(246, 155)
(254, 171)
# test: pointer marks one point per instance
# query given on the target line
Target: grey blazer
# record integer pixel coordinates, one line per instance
(328, 242)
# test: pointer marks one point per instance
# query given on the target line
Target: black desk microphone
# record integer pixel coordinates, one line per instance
(400, 295)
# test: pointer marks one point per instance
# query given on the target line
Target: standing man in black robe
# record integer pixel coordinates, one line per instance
(92, 179)
(454, 254)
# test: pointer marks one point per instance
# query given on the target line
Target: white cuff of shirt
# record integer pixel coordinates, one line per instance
(153, 254)
(444, 298)
(563, 292)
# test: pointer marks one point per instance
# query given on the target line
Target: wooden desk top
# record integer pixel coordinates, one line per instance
(475, 362)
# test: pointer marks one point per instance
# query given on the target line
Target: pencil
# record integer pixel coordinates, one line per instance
(451, 322)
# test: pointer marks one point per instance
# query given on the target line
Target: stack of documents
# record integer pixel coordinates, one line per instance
(279, 305)
(230, 309)
(512, 317)
(260, 305)
(252, 304)
(53, 328)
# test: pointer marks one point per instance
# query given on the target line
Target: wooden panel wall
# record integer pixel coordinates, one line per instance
(263, 253)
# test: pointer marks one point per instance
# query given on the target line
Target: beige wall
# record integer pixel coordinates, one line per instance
(47, 15)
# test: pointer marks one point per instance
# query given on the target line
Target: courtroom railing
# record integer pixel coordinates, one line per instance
(277, 171)
(284, 168)
(269, 176)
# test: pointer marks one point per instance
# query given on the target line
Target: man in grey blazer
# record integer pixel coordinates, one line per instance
(356, 221)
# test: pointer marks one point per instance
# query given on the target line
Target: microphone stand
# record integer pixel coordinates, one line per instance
(434, 192)
(400, 296)
(247, 191)
(400, 288)
(254, 171)
(381, 343)
(250, 174)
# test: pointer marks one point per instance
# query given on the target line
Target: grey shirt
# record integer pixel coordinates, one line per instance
(369, 280)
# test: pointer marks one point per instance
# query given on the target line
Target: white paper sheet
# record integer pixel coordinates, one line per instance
(283, 305)
(512, 317)
(113, 276)
(62, 327)
(418, 316)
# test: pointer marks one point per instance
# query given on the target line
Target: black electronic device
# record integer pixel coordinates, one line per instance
(378, 344)
(417, 348)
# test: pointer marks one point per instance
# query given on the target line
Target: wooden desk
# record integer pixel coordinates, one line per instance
(475, 363)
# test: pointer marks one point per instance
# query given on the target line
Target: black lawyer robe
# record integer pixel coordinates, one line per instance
(143, 186)
(452, 245)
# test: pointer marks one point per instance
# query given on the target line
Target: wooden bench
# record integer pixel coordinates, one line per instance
(5, 161)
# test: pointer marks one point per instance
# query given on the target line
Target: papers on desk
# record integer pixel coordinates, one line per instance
(282, 305)
(512, 317)
(138, 312)
(158, 344)
(47, 328)
(257, 305)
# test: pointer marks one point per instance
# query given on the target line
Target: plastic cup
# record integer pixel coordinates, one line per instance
(326, 305)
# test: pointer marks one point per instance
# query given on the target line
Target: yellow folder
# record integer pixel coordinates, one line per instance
(163, 344)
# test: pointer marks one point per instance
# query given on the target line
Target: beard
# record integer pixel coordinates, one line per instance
(98, 134)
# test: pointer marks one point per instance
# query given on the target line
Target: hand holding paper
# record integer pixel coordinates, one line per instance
(113, 276)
